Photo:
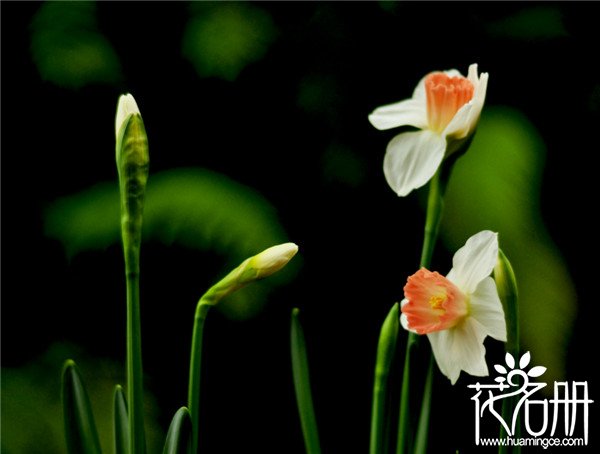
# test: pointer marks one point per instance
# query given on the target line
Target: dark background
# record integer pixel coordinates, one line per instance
(358, 240)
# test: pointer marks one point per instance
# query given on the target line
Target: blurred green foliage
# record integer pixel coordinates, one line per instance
(193, 207)
(67, 47)
(221, 39)
(547, 19)
(32, 419)
(496, 185)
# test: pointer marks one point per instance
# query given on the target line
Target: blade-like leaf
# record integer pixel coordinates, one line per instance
(302, 387)
(80, 428)
(120, 422)
(179, 437)
(386, 351)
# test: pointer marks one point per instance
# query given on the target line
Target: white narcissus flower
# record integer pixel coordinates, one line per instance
(458, 311)
(446, 107)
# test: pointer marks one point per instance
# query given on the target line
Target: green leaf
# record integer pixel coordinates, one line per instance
(386, 351)
(80, 428)
(179, 437)
(302, 386)
(120, 422)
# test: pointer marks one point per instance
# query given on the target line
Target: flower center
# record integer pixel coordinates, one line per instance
(434, 303)
(445, 96)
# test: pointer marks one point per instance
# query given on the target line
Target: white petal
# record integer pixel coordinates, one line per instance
(411, 112)
(465, 120)
(404, 322)
(460, 348)
(411, 159)
(472, 74)
(486, 308)
(127, 106)
(452, 72)
(404, 319)
(474, 261)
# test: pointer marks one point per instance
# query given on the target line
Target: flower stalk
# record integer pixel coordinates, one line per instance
(435, 205)
(252, 269)
(132, 164)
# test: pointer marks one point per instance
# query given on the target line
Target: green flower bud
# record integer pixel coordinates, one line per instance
(252, 269)
(132, 164)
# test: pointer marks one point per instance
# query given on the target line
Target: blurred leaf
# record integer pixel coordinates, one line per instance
(67, 47)
(80, 428)
(179, 437)
(496, 185)
(120, 422)
(222, 39)
(195, 208)
(31, 403)
(531, 24)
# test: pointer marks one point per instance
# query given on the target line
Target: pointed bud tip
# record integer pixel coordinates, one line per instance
(126, 107)
(273, 259)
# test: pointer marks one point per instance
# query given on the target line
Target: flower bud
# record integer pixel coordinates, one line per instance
(252, 269)
(132, 165)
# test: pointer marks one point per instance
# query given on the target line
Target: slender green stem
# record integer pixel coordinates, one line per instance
(195, 368)
(423, 428)
(134, 365)
(432, 223)
(435, 205)
(386, 350)
(403, 442)
(302, 387)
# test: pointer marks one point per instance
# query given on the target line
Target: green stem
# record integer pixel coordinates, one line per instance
(435, 205)
(386, 350)
(302, 386)
(195, 368)
(134, 365)
(403, 444)
(423, 428)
